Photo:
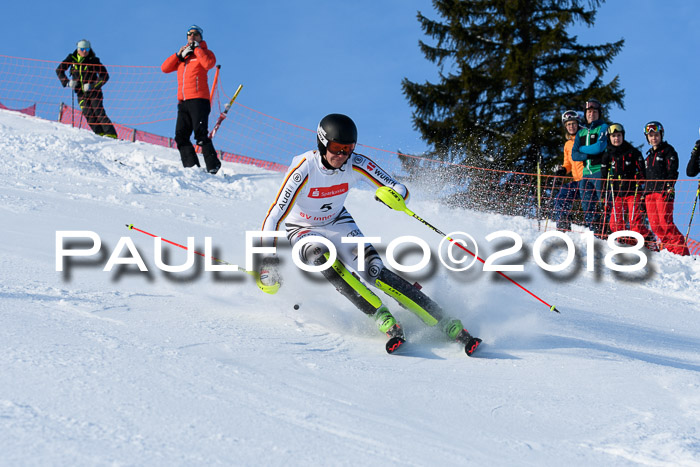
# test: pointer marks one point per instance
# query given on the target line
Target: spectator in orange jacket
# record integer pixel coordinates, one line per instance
(569, 191)
(192, 62)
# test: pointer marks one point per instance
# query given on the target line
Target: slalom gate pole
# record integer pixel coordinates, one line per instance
(72, 107)
(634, 203)
(395, 201)
(223, 114)
(539, 193)
(270, 289)
(551, 198)
(692, 213)
(612, 200)
(216, 81)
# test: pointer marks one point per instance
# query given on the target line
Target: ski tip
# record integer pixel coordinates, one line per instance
(472, 345)
(554, 308)
(394, 343)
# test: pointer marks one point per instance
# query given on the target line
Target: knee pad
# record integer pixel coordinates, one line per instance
(313, 253)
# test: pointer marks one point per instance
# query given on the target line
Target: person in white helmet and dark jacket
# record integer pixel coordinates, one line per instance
(87, 76)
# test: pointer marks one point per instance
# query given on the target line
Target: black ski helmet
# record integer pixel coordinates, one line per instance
(593, 103)
(335, 127)
(653, 126)
(615, 128)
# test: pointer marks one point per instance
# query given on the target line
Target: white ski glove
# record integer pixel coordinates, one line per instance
(269, 273)
(185, 51)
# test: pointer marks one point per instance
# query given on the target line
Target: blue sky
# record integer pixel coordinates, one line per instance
(301, 60)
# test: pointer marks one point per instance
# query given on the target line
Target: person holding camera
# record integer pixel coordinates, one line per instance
(87, 76)
(192, 62)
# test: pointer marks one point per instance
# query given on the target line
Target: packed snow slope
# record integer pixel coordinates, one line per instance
(201, 368)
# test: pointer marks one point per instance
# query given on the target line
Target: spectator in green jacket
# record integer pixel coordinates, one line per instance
(589, 147)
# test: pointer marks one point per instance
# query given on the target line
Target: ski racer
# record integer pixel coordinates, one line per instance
(311, 205)
(661, 174)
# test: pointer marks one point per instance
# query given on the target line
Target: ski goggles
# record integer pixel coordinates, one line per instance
(339, 148)
(653, 127)
(615, 128)
(84, 49)
(193, 32)
(592, 105)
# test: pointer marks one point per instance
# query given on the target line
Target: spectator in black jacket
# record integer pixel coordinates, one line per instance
(87, 75)
(661, 174)
(622, 170)
(694, 163)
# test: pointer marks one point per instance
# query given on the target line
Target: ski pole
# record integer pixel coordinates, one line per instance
(634, 204)
(395, 201)
(551, 201)
(692, 213)
(612, 201)
(223, 114)
(270, 289)
(539, 193)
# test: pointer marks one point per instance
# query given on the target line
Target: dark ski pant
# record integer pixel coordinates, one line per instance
(92, 106)
(563, 203)
(193, 115)
(588, 188)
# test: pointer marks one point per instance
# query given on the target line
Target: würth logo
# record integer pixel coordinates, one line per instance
(328, 191)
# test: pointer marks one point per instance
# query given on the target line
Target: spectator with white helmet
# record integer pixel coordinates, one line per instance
(569, 191)
(87, 76)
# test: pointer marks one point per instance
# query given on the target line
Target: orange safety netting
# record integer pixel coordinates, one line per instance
(141, 102)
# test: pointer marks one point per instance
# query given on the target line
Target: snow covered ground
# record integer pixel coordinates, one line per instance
(198, 368)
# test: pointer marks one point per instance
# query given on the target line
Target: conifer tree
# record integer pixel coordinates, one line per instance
(508, 69)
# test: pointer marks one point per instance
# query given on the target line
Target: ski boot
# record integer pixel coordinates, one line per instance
(457, 333)
(388, 325)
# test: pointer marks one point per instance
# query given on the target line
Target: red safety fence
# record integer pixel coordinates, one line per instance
(141, 102)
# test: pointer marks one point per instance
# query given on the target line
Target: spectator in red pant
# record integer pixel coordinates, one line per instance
(623, 170)
(661, 174)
